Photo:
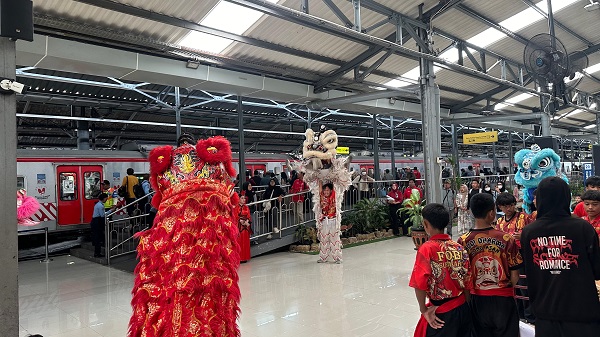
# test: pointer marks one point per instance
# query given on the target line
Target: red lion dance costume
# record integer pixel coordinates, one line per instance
(186, 280)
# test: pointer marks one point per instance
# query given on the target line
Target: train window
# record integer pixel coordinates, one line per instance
(92, 183)
(68, 186)
(21, 183)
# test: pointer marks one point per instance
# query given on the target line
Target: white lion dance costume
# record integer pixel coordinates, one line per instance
(321, 167)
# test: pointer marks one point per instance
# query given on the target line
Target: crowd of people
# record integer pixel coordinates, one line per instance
(540, 268)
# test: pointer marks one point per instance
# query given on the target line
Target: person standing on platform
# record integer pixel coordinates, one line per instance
(412, 185)
(591, 184)
(512, 223)
(365, 183)
(130, 181)
(495, 262)
(98, 223)
(247, 187)
(110, 201)
(449, 200)
(394, 199)
(298, 186)
(464, 215)
(328, 228)
(591, 201)
(441, 273)
(562, 260)
(245, 227)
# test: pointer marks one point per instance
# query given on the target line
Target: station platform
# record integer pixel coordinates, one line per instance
(283, 294)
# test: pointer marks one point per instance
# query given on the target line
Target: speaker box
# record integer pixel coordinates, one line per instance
(16, 19)
(547, 142)
(596, 158)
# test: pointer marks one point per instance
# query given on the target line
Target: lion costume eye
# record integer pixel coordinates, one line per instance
(545, 163)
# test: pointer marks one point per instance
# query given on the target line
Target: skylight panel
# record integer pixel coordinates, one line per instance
(593, 69)
(519, 98)
(514, 23)
(224, 16)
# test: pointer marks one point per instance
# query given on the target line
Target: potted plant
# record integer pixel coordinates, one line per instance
(413, 208)
(370, 215)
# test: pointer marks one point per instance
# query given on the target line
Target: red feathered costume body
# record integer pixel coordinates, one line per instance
(186, 281)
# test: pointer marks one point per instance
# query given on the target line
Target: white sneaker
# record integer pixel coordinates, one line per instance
(338, 262)
(320, 261)
(269, 237)
(275, 230)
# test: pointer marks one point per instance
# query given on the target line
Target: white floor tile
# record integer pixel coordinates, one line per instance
(283, 294)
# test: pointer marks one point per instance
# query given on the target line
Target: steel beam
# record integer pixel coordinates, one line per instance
(475, 15)
(565, 28)
(338, 12)
(514, 117)
(327, 103)
(158, 17)
(375, 148)
(241, 142)
(304, 6)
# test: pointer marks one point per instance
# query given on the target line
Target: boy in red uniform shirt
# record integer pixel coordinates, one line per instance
(442, 274)
(591, 201)
(495, 262)
(512, 223)
(591, 184)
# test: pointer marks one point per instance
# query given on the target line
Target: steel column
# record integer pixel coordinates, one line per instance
(9, 292)
(545, 122)
(551, 23)
(83, 132)
(598, 130)
(242, 146)
(393, 154)
(510, 153)
(304, 6)
(357, 19)
(456, 167)
(375, 149)
(431, 134)
(177, 112)
(493, 157)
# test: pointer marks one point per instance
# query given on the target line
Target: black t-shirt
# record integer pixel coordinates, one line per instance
(562, 259)
(472, 192)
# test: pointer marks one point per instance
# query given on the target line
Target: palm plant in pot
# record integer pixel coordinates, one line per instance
(413, 209)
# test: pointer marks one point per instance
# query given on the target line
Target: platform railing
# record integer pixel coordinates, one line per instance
(37, 231)
(120, 230)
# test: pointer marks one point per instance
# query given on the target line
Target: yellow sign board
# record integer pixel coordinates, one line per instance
(342, 150)
(482, 137)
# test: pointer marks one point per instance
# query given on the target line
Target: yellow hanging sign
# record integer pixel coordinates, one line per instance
(482, 137)
(342, 150)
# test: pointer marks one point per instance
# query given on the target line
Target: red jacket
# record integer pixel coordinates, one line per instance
(408, 191)
(297, 187)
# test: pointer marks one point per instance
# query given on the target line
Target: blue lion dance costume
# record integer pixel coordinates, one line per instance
(533, 166)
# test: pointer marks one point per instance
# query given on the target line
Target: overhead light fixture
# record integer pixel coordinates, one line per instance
(592, 6)
(192, 64)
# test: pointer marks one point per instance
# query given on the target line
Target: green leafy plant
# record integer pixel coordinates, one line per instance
(369, 215)
(577, 187)
(302, 235)
(456, 179)
(413, 208)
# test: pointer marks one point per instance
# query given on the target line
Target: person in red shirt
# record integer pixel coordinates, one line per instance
(245, 227)
(298, 186)
(328, 227)
(512, 223)
(591, 184)
(591, 201)
(495, 262)
(441, 273)
(417, 173)
(394, 199)
(412, 186)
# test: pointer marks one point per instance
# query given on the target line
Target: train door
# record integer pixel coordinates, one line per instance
(78, 188)
(262, 168)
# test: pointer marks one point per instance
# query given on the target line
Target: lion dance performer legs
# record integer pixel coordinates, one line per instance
(327, 177)
(186, 281)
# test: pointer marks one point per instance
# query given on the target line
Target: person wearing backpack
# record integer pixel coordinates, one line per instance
(129, 182)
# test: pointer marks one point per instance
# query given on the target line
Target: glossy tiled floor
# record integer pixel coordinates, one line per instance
(283, 294)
